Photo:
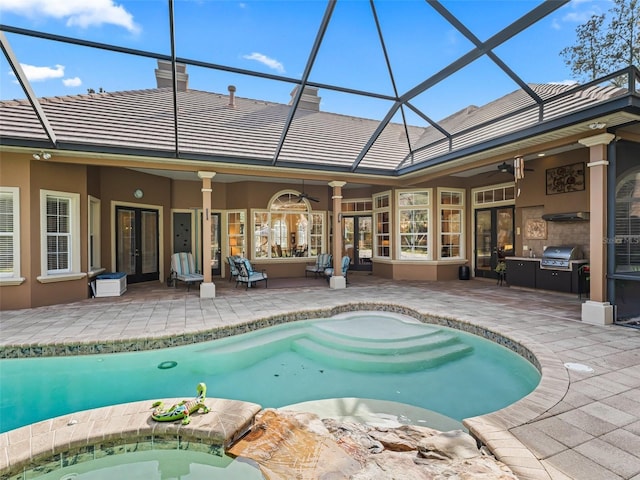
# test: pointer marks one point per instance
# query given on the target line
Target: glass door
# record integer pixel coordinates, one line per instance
(494, 238)
(357, 241)
(137, 244)
(216, 251)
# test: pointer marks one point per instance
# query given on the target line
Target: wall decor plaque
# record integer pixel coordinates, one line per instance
(535, 229)
(565, 179)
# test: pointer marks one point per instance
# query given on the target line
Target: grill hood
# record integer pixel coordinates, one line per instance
(566, 217)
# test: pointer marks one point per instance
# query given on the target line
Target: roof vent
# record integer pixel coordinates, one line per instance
(164, 78)
(309, 100)
(232, 96)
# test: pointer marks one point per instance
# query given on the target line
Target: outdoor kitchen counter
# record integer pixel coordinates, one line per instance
(526, 272)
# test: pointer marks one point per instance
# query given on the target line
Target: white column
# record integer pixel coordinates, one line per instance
(597, 310)
(207, 287)
(337, 280)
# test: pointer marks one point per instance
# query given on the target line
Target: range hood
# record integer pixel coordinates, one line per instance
(566, 217)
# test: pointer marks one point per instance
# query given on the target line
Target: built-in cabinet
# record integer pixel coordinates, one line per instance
(522, 273)
(553, 280)
(526, 272)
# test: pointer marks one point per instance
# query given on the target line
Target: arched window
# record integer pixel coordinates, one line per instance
(288, 228)
(627, 241)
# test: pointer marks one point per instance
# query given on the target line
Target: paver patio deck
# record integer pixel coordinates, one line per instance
(576, 425)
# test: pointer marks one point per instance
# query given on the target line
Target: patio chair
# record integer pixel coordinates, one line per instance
(183, 268)
(322, 263)
(346, 261)
(233, 268)
(248, 275)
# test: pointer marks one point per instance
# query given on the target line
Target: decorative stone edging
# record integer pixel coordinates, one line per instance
(168, 341)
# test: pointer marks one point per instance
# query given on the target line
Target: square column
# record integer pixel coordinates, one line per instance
(598, 310)
(207, 287)
(337, 280)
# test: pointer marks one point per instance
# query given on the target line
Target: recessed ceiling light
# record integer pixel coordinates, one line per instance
(541, 154)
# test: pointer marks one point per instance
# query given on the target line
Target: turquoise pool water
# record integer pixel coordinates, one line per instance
(361, 355)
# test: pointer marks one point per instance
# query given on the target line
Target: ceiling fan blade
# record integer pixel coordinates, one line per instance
(313, 199)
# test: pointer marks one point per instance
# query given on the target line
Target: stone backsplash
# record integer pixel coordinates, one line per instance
(557, 233)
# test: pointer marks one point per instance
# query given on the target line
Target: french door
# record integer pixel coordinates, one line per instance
(357, 241)
(494, 238)
(216, 250)
(137, 244)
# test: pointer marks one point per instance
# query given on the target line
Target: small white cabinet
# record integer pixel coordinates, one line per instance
(110, 284)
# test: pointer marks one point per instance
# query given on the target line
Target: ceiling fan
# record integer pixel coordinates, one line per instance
(304, 195)
(505, 167)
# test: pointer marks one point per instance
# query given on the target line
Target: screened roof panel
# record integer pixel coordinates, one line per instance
(360, 63)
(249, 35)
(419, 41)
(474, 14)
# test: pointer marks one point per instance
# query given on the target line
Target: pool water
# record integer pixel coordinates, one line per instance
(376, 356)
(157, 465)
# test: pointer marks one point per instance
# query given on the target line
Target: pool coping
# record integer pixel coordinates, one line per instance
(491, 430)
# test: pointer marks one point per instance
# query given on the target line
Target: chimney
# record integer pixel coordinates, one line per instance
(309, 99)
(164, 77)
(232, 96)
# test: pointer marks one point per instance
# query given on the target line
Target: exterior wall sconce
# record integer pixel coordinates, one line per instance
(138, 193)
(42, 155)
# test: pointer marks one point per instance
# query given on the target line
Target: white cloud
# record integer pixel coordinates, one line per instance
(564, 82)
(72, 82)
(40, 74)
(269, 62)
(582, 10)
(81, 13)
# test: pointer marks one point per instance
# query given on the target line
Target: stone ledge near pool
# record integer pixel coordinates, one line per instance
(89, 434)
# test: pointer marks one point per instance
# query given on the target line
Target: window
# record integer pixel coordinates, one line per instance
(236, 225)
(497, 194)
(413, 224)
(288, 229)
(382, 224)
(9, 233)
(60, 226)
(356, 206)
(94, 234)
(451, 208)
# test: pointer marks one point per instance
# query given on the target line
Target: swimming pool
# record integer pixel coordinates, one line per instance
(367, 355)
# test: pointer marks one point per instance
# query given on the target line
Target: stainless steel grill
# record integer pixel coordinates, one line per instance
(559, 258)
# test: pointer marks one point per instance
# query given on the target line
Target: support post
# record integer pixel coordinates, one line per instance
(337, 281)
(207, 287)
(598, 310)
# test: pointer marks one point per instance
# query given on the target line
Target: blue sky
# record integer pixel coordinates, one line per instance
(276, 37)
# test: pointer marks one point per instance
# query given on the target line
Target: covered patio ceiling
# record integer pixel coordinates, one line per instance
(453, 94)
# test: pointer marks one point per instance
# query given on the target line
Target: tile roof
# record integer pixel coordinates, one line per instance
(141, 121)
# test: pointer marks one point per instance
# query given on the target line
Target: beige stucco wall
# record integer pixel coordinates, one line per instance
(15, 172)
(48, 175)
